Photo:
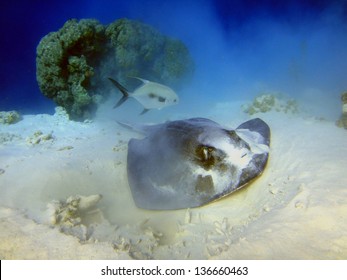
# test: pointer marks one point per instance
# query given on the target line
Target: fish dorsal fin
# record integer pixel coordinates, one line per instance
(142, 80)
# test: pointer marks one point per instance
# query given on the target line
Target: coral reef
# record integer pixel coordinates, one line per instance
(61, 114)
(342, 122)
(9, 117)
(73, 63)
(64, 64)
(271, 102)
(140, 50)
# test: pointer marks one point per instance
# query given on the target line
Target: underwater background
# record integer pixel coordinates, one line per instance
(64, 174)
(240, 48)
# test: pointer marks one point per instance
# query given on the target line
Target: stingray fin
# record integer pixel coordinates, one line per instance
(144, 111)
(123, 90)
(257, 125)
(131, 127)
(139, 128)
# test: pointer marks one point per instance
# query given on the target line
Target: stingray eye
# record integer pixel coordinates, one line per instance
(207, 153)
(204, 156)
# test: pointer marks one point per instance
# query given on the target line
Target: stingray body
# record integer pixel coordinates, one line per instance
(189, 163)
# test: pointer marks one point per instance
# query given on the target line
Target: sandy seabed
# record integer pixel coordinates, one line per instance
(296, 210)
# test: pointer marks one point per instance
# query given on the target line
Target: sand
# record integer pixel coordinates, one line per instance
(295, 210)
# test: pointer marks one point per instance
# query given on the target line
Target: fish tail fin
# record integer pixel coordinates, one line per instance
(123, 90)
(121, 101)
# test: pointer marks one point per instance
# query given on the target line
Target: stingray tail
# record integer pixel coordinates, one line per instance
(123, 90)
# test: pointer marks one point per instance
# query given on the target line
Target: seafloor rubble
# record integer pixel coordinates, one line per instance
(271, 102)
(9, 117)
(73, 63)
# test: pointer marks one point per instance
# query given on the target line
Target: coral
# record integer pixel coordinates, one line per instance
(65, 61)
(60, 113)
(141, 50)
(73, 63)
(342, 122)
(71, 211)
(173, 61)
(264, 103)
(270, 102)
(9, 117)
(81, 217)
(39, 137)
(75, 214)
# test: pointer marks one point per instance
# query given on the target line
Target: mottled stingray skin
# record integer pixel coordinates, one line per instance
(189, 163)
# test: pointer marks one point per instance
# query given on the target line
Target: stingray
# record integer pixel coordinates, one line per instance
(189, 163)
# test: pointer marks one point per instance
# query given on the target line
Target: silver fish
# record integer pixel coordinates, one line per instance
(151, 95)
(189, 163)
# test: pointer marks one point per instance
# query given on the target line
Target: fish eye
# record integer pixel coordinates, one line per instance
(204, 156)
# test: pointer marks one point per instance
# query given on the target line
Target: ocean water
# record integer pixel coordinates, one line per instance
(241, 49)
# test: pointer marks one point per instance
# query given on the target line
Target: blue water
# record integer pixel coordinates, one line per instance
(240, 47)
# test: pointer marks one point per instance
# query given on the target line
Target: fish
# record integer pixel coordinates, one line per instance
(150, 94)
(192, 162)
